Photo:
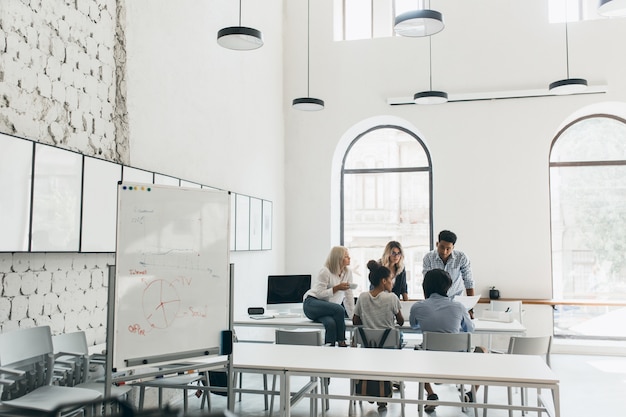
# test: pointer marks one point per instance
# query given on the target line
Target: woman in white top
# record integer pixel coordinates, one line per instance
(323, 302)
(379, 308)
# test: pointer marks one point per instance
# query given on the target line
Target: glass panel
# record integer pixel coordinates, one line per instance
(581, 142)
(267, 225)
(99, 225)
(242, 222)
(16, 158)
(358, 19)
(589, 231)
(386, 148)
(256, 222)
(588, 242)
(56, 199)
(379, 207)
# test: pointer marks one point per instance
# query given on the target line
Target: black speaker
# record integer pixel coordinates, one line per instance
(226, 343)
(255, 310)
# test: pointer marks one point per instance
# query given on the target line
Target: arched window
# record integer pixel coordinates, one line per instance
(386, 194)
(588, 220)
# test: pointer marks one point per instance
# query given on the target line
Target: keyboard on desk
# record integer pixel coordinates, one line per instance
(261, 317)
(287, 315)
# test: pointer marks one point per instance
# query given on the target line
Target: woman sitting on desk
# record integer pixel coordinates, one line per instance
(323, 302)
(378, 308)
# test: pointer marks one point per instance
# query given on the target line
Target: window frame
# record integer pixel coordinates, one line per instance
(343, 172)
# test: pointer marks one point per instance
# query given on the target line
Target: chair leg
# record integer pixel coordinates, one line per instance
(402, 397)
(485, 399)
(352, 405)
(240, 384)
(510, 396)
(142, 394)
(264, 389)
(272, 394)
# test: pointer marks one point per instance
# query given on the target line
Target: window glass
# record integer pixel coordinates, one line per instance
(588, 215)
(386, 195)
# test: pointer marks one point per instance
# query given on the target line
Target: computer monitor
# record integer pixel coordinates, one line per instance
(285, 292)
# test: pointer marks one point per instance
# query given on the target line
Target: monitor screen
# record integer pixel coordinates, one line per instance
(287, 289)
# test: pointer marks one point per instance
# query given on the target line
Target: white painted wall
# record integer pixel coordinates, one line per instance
(490, 159)
(212, 115)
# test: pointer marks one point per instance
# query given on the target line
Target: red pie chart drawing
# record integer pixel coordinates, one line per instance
(160, 303)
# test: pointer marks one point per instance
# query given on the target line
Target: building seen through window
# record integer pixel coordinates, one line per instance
(386, 195)
(588, 220)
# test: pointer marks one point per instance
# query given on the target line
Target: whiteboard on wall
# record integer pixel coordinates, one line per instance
(172, 284)
(16, 161)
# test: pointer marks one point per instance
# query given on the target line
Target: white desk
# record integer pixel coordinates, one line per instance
(408, 365)
(481, 326)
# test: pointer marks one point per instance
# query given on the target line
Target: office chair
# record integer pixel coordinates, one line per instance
(301, 337)
(378, 339)
(448, 342)
(513, 308)
(27, 361)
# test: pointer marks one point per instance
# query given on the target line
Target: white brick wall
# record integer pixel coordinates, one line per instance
(69, 294)
(61, 63)
(58, 75)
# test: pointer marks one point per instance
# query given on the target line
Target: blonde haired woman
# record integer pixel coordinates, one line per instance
(393, 258)
(331, 288)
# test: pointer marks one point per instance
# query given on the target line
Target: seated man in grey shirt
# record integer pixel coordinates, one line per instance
(439, 313)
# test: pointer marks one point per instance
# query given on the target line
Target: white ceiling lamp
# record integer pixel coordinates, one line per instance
(568, 85)
(431, 96)
(612, 8)
(308, 103)
(240, 38)
(418, 23)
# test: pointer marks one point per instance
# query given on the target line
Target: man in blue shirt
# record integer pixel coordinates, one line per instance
(453, 262)
(439, 313)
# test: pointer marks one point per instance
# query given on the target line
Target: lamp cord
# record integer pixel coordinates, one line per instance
(566, 47)
(430, 62)
(239, 12)
(308, 46)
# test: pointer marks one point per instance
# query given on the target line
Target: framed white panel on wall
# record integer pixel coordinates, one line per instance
(100, 180)
(130, 174)
(266, 231)
(242, 222)
(56, 200)
(16, 163)
(161, 179)
(256, 222)
(233, 220)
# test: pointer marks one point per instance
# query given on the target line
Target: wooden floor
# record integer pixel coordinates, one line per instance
(590, 386)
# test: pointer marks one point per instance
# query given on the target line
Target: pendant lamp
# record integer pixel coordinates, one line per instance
(308, 103)
(568, 85)
(430, 96)
(612, 8)
(418, 23)
(240, 38)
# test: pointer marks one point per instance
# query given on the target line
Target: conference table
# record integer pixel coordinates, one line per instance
(401, 364)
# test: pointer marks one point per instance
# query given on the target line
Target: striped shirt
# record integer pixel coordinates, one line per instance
(458, 266)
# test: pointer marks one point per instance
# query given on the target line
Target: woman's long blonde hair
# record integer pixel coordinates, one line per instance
(386, 259)
(334, 262)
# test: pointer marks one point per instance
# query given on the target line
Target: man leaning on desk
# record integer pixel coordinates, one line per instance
(455, 262)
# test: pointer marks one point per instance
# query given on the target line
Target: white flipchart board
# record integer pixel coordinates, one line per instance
(172, 284)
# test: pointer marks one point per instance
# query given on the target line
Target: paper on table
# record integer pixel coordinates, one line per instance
(469, 301)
